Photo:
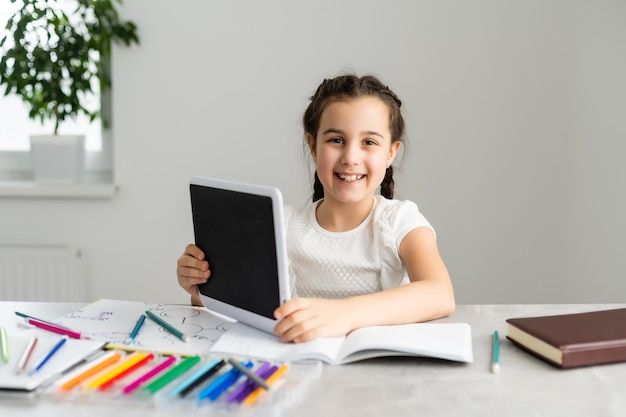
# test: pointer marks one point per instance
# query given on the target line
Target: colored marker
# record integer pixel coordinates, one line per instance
(495, 358)
(251, 375)
(250, 399)
(21, 365)
(266, 376)
(172, 374)
(52, 379)
(221, 384)
(167, 326)
(50, 354)
(156, 370)
(131, 368)
(27, 316)
(189, 381)
(136, 329)
(55, 329)
(114, 373)
(198, 378)
(243, 390)
(106, 361)
(4, 345)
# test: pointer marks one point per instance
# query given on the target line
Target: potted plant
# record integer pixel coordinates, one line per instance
(54, 56)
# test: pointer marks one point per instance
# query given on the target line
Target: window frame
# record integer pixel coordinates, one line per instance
(16, 165)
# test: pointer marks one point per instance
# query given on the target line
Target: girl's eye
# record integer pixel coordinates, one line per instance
(335, 140)
(370, 142)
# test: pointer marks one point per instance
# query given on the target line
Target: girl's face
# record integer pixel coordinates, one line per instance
(353, 149)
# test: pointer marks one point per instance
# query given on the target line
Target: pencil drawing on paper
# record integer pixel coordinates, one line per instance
(112, 321)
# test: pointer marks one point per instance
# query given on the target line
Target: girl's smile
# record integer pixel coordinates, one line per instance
(350, 177)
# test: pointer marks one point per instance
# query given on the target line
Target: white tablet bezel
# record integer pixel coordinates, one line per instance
(245, 316)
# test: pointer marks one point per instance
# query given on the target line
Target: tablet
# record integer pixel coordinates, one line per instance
(241, 231)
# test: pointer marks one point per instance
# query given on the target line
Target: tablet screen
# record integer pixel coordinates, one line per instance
(235, 230)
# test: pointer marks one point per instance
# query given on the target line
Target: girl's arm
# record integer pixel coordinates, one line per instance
(428, 296)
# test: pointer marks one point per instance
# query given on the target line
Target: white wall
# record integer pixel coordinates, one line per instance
(514, 112)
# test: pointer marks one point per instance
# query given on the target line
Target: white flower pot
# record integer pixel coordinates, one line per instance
(57, 158)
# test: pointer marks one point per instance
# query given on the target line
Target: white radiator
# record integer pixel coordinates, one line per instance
(42, 273)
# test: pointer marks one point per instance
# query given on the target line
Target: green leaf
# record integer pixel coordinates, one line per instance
(54, 57)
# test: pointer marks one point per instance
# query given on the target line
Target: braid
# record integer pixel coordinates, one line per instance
(388, 185)
(318, 189)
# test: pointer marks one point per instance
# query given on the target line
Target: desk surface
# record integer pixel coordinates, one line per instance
(397, 386)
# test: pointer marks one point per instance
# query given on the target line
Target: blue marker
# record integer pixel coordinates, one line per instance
(54, 350)
(133, 334)
(195, 377)
(222, 383)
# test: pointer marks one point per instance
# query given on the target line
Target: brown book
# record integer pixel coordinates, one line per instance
(572, 340)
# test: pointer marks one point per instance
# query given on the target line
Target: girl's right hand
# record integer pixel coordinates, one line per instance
(192, 269)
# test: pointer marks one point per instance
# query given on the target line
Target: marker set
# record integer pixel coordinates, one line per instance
(214, 382)
(77, 368)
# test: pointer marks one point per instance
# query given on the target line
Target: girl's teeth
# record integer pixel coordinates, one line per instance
(349, 178)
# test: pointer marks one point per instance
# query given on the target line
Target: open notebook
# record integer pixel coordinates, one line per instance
(449, 341)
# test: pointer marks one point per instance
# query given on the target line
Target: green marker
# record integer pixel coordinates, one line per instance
(4, 345)
(172, 374)
(173, 330)
(495, 359)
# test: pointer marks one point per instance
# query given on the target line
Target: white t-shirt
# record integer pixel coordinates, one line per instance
(359, 261)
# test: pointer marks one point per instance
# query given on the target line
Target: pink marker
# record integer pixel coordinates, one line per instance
(136, 383)
(56, 329)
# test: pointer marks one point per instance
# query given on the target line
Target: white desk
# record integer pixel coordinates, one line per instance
(525, 386)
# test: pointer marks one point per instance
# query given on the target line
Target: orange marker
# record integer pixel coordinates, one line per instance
(105, 363)
(113, 373)
(254, 395)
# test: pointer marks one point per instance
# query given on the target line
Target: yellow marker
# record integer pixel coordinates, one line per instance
(254, 395)
(130, 361)
(105, 363)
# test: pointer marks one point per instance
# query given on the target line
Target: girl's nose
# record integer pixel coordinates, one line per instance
(351, 154)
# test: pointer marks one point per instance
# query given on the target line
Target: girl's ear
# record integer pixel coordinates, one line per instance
(310, 141)
(393, 151)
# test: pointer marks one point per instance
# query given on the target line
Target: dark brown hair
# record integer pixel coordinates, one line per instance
(348, 87)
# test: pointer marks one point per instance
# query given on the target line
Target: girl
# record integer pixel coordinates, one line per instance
(356, 258)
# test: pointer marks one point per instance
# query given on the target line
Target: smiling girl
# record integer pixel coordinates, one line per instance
(357, 257)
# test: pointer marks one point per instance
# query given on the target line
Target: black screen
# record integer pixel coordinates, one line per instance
(236, 233)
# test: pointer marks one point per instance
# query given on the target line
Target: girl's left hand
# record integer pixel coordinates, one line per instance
(304, 319)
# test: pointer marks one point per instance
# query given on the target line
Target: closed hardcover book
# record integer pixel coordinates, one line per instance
(573, 340)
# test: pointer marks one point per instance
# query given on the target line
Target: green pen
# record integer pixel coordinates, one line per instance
(172, 374)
